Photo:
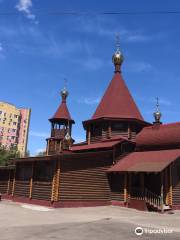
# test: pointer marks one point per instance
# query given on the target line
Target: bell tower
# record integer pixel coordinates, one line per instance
(61, 128)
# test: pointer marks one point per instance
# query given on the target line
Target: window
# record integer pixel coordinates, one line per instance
(14, 123)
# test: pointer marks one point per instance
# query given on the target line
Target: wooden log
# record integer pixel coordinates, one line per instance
(57, 181)
(109, 130)
(129, 131)
(31, 181)
(170, 186)
(129, 186)
(9, 179)
(47, 147)
(14, 181)
(125, 188)
(166, 187)
(89, 135)
(162, 192)
(53, 185)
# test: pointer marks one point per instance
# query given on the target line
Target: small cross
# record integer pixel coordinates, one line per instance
(157, 103)
(117, 41)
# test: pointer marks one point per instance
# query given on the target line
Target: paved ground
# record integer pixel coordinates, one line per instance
(19, 222)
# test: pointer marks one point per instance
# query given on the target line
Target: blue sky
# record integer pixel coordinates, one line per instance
(38, 50)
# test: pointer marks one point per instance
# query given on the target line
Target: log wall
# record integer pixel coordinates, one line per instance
(176, 183)
(117, 186)
(85, 179)
(33, 180)
(4, 176)
(21, 189)
(41, 190)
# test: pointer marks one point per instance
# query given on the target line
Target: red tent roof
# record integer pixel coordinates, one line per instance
(117, 101)
(149, 161)
(159, 135)
(62, 113)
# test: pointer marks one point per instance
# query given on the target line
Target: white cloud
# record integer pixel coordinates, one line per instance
(38, 134)
(1, 48)
(104, 28)
(92, 63)
(25, 7)
(40, 150)
(162, 101)
(133, 37)
(2, 56)
(138, 67)
(90, 101)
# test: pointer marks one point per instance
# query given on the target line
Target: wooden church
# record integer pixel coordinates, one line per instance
(124, 161)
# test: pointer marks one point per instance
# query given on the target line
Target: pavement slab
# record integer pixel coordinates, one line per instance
(25, 221)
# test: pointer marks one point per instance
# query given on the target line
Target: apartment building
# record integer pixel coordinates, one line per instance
(14, 127)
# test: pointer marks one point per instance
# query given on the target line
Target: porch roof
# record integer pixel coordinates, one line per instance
(148, 161)
(103, 144)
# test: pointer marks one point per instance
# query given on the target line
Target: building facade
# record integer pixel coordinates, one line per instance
(124, 160)
(14, 127)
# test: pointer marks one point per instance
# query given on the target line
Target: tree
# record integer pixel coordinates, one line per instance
(6, 155)
(27, 154)
(42, 153)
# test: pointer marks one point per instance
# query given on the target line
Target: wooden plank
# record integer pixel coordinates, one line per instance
(14, 181)
(170, 186)
(57, 181)
(53, 185)
(31, 181)
(162, 191)
(125, 188)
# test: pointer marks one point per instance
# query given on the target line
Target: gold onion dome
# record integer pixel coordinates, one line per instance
(157, 114)
(117, 57)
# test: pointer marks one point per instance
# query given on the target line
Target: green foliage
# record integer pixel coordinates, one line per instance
(6, 155)
(27, 154)
(41, 154)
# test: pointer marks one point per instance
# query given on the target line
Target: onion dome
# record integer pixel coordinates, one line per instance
(157, 114)
(117, 57)
(64, 94)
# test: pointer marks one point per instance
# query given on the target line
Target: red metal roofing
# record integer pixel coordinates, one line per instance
(159, 135)
(117, 102)
(62, 112)
(107, 144)
(149, 161)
